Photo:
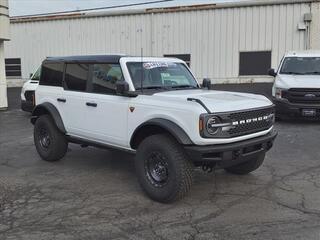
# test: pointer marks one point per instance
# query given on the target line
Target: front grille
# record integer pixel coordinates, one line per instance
(252, 121)
(302, 95)
(29, 95)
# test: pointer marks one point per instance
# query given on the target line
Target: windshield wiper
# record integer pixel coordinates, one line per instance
(152, 87)
(315, 72)
(294, 73)
(168, 87)
(183, 86)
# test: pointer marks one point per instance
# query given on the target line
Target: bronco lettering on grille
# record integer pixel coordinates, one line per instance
(251, 120)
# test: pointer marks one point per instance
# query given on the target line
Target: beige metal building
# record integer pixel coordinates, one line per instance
(229, 43)
(4, 35)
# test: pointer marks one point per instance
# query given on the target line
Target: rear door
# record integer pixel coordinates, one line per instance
(74, 98)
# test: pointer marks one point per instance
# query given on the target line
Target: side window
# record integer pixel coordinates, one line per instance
(105, 77)
(51, 74)
(76, 77)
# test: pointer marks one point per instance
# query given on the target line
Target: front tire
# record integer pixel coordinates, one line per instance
(164, 171)
(247, 167)
(50, 143)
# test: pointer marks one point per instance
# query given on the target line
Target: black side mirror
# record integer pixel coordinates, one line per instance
(206, 83)
(271, 72)
(122, 87)
(30, 75)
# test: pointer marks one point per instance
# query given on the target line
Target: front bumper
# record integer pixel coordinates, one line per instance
(286, 109)
(227, 155)
(27, 106)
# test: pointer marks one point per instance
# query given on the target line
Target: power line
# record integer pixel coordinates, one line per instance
(98, 8)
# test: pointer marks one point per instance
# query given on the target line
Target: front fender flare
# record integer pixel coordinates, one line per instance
(176, 131)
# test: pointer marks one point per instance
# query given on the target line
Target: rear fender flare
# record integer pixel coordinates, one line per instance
(50, 109)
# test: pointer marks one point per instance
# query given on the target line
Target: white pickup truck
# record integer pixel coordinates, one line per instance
(296, 89)
(154, 108)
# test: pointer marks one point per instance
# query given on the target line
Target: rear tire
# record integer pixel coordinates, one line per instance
(247, 167)
(50, 143)
(164, 171)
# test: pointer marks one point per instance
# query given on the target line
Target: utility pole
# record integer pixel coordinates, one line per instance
(4, 36)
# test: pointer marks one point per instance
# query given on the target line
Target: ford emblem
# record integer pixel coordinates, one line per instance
(310, 95)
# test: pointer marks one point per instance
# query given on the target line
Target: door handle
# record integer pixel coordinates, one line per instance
(91, 104)
(61, 100)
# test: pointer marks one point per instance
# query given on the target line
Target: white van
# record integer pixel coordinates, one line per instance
(296, 89)
(28, 90)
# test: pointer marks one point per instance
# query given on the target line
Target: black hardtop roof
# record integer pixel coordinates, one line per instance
(86, 58)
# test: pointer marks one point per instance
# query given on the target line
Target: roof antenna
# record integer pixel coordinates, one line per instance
(142, 71)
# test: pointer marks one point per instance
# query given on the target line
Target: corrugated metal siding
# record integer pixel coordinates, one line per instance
(213, 37)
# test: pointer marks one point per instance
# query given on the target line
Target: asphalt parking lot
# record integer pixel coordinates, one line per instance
(94, 194)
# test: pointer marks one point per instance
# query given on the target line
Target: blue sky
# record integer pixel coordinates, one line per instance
(28, 7)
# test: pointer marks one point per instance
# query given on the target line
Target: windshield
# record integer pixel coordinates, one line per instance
(301, 65)
(36, 75)
(166, 75)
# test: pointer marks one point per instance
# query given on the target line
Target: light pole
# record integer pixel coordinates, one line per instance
(4, 36)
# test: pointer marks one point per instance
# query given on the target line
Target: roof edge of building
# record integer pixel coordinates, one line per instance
(81, 14)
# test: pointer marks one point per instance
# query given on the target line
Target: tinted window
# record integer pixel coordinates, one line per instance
(51, 74)
(76, 77)
(105, 77)
(254, 63)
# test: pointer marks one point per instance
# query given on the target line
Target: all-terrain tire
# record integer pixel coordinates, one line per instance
(178, 170)
(247, 167)
(50, 143)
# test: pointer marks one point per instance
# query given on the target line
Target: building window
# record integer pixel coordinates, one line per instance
(51, 74)
(254, 63)
(13, 67)
(76, 77)
(183, 57)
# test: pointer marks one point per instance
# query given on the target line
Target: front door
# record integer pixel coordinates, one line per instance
(106, 113)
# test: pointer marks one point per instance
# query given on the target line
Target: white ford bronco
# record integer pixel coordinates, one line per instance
(155, 108)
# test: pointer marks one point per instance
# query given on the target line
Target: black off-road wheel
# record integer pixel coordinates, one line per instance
(50, 143)
(247, 167)
(164, 171)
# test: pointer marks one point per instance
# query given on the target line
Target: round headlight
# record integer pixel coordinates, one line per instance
(211, 125)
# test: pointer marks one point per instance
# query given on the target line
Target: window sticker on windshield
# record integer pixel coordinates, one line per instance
(151, 65)
(165, 74)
